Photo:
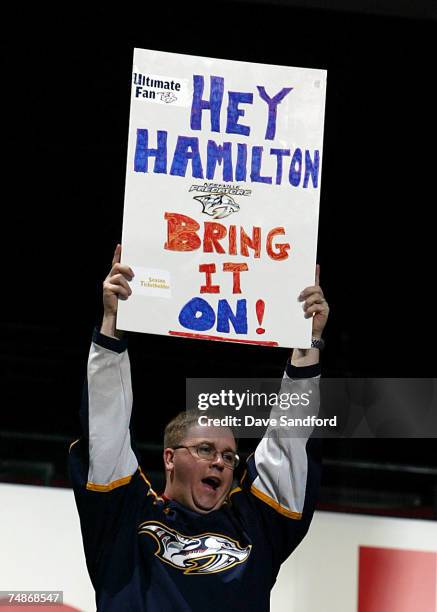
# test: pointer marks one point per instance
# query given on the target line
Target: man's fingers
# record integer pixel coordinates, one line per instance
(314, 298)
(313, 288)
(309, 312)
(119, 279)
(317, 274)
(117, 255)
(119, 268)
(119, 290)
(316, 289)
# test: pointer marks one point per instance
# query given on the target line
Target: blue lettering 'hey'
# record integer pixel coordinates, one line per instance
(273, 108)
(213, 105)
(232, 126)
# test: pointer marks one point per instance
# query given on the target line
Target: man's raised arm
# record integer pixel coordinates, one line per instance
(283, 474)
(115, 286)
(108, 484)
(107, 397)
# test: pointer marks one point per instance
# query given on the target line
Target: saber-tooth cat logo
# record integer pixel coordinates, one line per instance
(218, 205)
(206, 553)
(217, 200)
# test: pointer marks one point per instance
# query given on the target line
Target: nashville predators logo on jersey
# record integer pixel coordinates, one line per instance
(206, 553)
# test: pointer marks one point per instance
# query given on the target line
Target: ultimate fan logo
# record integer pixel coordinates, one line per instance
(202, 554)
(146, 87)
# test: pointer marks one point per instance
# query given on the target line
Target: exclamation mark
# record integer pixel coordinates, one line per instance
(260, 305)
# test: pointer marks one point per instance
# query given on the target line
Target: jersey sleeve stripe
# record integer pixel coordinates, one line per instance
(91, 486)
(147, 481)
(234, 490)
(274, 504)
(72, 444)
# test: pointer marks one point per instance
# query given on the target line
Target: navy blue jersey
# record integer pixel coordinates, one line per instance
(144, 552)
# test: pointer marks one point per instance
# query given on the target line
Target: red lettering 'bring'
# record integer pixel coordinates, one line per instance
(183, 235)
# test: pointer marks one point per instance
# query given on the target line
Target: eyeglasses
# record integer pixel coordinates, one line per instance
(208, 452)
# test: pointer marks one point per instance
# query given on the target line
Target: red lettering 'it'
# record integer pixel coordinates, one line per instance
(235, 268)
(209, 269)
(181, 233)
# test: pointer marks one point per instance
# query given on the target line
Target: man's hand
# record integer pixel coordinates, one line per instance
(115, 287)
(315, 305)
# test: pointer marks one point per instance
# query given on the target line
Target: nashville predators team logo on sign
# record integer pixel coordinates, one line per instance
(218, 205)
(206, 553)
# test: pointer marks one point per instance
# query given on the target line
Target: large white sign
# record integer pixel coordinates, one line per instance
(222, 198)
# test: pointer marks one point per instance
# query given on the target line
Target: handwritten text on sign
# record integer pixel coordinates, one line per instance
(187, 147)
(217, 138)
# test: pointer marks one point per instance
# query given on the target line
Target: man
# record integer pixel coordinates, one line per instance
(201, 545)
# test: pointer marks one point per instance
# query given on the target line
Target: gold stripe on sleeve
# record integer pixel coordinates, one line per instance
(108, 487)
(274, 504)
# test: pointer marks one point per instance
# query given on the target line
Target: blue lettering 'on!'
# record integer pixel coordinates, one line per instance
(311, 168)
(142, 152)
(296, 168)
(279, 154)
(273, 107)
(215, 155)
(232, 125)
(255, 176)
(188, 316)
(182, 155)
(214, 104)
(238, 320)
(240, 170)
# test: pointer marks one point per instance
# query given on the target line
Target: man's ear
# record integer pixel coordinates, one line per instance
(168, 456)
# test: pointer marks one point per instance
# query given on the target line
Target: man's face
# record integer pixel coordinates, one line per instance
(196, 483)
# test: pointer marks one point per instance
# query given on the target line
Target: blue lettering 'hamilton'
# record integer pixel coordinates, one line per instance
(142, 152)
(255, 174)
(216, 154)
(311, 168)
(303, 167)
(280, 153)
(187, 147)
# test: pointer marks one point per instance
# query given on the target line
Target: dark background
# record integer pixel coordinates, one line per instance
(65, 122)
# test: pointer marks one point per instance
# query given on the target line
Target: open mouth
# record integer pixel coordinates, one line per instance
(211, 482)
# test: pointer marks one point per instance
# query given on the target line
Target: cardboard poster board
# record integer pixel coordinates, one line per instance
(222, 198)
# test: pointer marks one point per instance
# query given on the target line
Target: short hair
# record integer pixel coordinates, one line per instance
(176, 429)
